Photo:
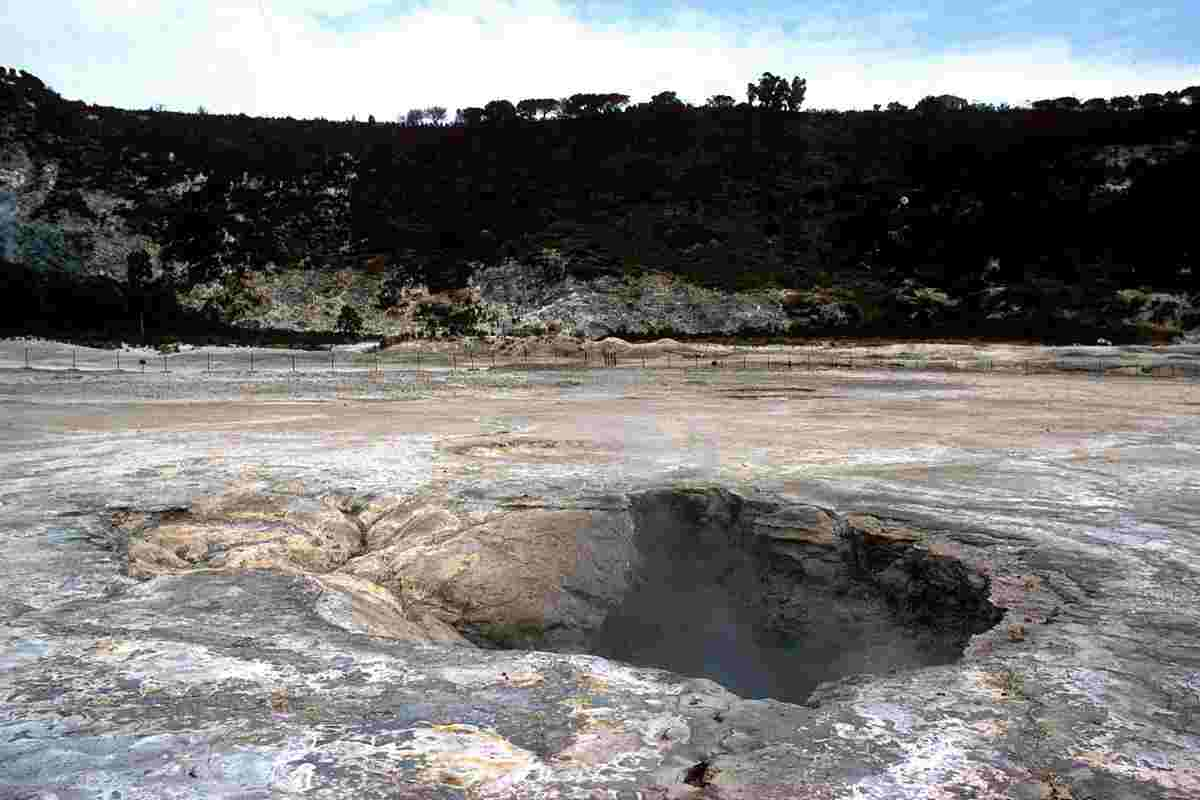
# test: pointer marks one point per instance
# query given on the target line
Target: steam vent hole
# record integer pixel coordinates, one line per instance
(771, 600)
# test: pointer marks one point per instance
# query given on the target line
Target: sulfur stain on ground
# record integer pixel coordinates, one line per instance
(468, 756)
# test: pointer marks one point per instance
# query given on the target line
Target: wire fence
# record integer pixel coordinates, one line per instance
(530, 357)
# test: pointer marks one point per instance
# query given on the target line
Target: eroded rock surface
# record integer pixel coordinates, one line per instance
(192, 612)
(597, 579)
(414, 567)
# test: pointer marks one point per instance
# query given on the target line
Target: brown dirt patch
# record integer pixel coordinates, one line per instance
(527, 448)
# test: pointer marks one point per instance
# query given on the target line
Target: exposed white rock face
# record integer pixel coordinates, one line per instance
(20, 194)
(8, 224)
(25, 186)
(190, 184)
(612, 306)
(17, 170)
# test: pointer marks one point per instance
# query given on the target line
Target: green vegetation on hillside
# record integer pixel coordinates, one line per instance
(951, 214)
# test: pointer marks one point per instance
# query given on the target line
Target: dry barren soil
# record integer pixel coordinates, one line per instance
(225, 583)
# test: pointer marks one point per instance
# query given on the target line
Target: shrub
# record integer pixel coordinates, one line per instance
(230, 299)
(531, 329)
(1133, 299)
(664, 331)
(349, 322)
(43, 248)
(924, 304)
(438, 319)
(513, 635)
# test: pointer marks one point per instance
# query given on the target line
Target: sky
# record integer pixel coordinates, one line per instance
(342, 58)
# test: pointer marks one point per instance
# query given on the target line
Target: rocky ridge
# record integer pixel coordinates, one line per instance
(717, 223)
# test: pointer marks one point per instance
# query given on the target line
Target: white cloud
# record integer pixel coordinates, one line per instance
(276, 57)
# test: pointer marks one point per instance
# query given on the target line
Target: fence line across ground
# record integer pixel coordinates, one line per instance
(252, 362)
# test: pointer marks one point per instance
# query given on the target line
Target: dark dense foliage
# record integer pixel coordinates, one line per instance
(730, 196)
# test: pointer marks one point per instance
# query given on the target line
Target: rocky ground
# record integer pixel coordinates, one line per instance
(253, 584)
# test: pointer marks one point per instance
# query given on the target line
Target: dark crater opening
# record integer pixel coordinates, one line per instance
(771, 599)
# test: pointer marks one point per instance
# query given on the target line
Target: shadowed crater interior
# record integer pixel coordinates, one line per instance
(770, 600)
(766, 596)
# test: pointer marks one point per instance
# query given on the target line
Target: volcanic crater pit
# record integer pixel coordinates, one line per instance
(771, 600)
(765, 596)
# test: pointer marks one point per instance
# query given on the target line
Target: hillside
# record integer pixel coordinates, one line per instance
(1051, 223)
